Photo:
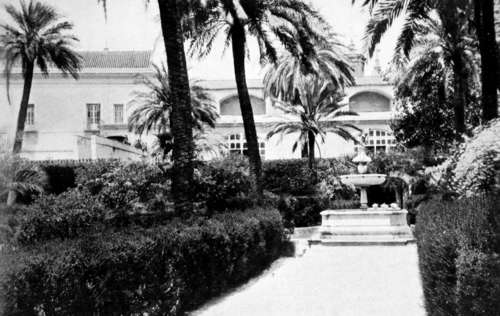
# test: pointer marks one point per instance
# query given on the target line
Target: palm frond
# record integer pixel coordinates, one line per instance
(382, 17)
(153, 105)
(37, 36)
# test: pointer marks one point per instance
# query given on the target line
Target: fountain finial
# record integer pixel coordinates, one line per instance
(362, 160)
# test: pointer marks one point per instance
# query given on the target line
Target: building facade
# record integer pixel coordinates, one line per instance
(87, 118)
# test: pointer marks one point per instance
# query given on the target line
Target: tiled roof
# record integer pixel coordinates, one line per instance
(107, 61)
(115, 59)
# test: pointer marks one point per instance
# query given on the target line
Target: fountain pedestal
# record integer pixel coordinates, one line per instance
(375, 225)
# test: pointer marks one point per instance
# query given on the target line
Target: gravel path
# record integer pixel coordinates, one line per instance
(333, 281)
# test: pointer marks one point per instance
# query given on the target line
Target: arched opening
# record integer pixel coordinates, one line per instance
(369, 101)
(231, 106)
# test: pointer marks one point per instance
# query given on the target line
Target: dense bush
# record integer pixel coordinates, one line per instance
(89, 171)
(223, 184)
(72, 214)
(459, 246)
(288, 176)
(478, 283)
(164, 270)
(60, 178)
(131, 188)
(294, 177)
(302, 211)
(476, 160)
(51, 216)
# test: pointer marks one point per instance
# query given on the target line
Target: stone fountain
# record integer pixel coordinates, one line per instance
(378, 224)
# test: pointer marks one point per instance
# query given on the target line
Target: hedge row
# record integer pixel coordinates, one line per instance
(165, 270)
(280, 176)
(459, 253)
(293, 176)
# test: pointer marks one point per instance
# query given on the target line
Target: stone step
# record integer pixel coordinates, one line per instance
(364, 230)
(350, 242)
(363, 218)
(366, 237)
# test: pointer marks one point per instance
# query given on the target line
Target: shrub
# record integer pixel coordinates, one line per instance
(86, 173)
(132, 188)
(302, 211)
(475, 162)
(65, 216)
(223, 184)
(288, 176)
(294, 176)
(478, 283)
(60, 178)
(458, 244)
(165, 270)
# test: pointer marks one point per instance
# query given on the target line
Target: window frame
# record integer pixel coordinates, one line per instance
(115, 107)
(379, 140)
(93, 114)
(30, 115)
(237, 144)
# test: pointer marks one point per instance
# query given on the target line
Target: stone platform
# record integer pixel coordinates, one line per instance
(374, 226)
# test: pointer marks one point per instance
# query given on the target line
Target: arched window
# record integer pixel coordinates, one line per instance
(369, 102)
(377, 141)
(231, 106)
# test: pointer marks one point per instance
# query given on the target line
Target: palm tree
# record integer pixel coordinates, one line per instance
(37, 36)
(313, 98)
(19, 177)
(454, 17)
(484, 18)
(154, 108)
(290, 23)
(172, 13)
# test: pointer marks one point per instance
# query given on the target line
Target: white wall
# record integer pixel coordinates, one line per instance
(61, 108)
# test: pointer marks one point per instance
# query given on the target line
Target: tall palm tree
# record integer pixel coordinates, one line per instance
(154, 108)
(454, 17)
(484, 18)
(37, 36)
(291, 24)
(172, 13)
(313, 98)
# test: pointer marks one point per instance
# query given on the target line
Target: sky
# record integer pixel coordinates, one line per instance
(133, 25)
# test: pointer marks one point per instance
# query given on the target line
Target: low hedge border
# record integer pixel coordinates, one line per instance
(165, 270)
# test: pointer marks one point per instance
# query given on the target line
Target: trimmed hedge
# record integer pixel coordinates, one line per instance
(165, 270)
(293, 176)
(459, 246)
(290, 176)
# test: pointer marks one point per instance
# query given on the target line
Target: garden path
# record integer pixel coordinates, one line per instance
(332, 281)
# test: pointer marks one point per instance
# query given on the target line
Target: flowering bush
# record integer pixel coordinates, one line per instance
(132, 188)
(223, 184)
(477, 161)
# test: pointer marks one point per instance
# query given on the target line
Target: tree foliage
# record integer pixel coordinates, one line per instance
(311, 100)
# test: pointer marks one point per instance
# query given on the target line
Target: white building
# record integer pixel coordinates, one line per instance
(86, 118)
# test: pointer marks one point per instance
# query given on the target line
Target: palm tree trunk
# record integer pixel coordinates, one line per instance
(485, 26)
(452, 20)
(238, 46)
(311, 139)
(23, 108)
(181, 119)
(460, 87)
(304, 153)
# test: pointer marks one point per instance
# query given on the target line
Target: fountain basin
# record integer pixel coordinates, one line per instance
(363, 180)
(364, 227)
